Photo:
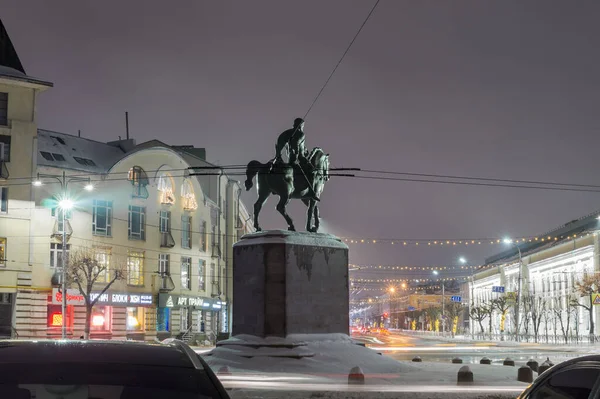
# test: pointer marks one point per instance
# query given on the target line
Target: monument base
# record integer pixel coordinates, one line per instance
(290, 283)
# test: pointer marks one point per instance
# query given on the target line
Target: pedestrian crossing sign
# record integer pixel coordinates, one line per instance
(596, 299)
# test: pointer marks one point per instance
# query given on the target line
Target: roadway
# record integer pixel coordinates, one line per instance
(406, 347)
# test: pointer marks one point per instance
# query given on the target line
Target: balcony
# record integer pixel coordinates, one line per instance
(166, 240)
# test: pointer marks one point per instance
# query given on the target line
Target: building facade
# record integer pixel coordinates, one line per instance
(544, 278)
(169, 227)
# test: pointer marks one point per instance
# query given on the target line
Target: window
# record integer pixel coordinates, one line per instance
(569, 384)
(203, 235)
(5, 148)
(3, 199)
(55, 317)
(186, 272)
(2, 252)
(201, 275)
(103, 259)
(58, 157)
(135, 268)
(139, 180)
(47, 156)
(186, 232)
(56, 254)
(213, 274)
(4, 109)
(59, 140)
(135, 319)
(137, 222)
(100, 320)
(165, 189)
(163, 264)
(102, 218)
(57, 213)
(201, 318)
(165, 222)
(187, 196)
(82, 161)
(185, 319)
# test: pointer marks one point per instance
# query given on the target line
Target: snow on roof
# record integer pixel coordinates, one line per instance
(61, 150)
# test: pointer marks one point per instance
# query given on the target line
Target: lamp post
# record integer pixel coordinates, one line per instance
(435, 272)
(509, 241)
(65, 204)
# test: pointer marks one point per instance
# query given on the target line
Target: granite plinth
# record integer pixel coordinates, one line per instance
(290, 283)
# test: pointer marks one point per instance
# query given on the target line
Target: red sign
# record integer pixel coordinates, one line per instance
(74, 297)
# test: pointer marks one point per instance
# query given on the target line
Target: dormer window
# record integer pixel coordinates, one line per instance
(165, 189)
(139, 181)
(188, 198)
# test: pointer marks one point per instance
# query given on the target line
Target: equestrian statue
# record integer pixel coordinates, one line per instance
(302, 177)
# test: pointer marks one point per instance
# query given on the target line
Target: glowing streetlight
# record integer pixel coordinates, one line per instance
(435, 272)
(462, 260)
(89, 187)
(392, 289)
(507, 240)
(66, 204)
(403, 286)
(37, 183)
(511, 242)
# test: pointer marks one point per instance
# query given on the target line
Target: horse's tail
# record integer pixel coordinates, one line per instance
(251, 170)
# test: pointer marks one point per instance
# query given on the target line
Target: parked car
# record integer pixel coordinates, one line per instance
(104, 369)
(575, 378)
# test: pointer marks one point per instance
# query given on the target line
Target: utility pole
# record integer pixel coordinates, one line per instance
(65, 204)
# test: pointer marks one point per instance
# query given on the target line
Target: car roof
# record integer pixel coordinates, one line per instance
(94, 351)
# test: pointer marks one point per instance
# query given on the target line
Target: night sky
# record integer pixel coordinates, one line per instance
(500, 89)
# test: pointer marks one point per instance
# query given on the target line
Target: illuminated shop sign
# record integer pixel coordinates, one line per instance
(177, 301)
(74, 297)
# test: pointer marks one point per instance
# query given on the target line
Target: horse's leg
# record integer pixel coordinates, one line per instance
(316, 216)
(283, 201)
(263, 194)
(309, 213)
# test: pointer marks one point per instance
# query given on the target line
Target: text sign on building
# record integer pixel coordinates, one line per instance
(411, 308)
(74, 297)
(178, 301)
(498, 288)
(456, 298)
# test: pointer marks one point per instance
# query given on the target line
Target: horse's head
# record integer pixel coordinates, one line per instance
(320, 162)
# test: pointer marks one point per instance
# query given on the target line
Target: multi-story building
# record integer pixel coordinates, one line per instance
(171, 230)
(543, 272)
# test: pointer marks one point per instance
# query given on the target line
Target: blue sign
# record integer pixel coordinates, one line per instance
(411, 308)
(498, 288)
(456, 298)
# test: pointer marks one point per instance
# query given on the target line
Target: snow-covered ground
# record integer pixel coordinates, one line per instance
(259, 368)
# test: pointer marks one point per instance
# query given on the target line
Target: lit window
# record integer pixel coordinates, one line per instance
(139, 180)
(165, 189)
(186, 232)
(57, 213)
(137, 222)
(55, 317)
(2, 252)
(5, 142)
(186, 271)
(187, 196)
(100, 320)
(135, 268)
(103, 259)
(102, 218)
(135, 319)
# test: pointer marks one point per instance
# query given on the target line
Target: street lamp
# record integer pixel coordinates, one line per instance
(65, 204)
(435, 272)
(511, 242)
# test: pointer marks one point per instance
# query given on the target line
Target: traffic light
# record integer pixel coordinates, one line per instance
(385, 315)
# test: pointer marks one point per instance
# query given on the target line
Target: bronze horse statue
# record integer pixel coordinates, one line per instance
(288, 181)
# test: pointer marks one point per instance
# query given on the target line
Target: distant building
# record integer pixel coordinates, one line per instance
(551, 265)
(171, 230)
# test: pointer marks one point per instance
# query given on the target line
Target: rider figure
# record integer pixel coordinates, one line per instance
(294, 139)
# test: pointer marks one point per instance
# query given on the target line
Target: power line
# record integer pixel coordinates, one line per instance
(342, 58)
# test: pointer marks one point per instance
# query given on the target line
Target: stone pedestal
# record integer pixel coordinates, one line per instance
(290, 283)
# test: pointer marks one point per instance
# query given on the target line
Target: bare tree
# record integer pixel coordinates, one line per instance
(502, 304)
(86, 271)
(535, 305)
(452, 311)
(478, 313)
(586, 286)
(547, 316)
(563, 314)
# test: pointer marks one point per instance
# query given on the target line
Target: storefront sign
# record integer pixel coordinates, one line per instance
(74, 297)
(177, 301)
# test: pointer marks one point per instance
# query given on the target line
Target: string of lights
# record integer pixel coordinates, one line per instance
(354, 267)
